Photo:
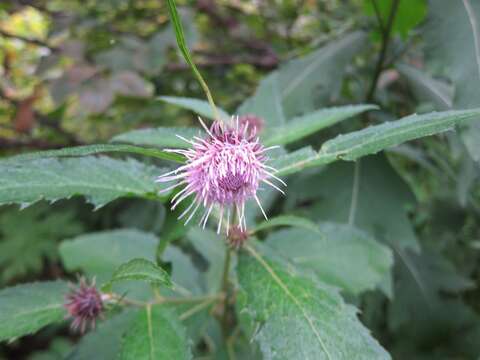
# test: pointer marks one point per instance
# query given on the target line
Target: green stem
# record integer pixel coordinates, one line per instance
(180, 36)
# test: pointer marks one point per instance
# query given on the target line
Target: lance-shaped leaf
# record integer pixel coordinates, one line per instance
(142, 270)
(24, 309)
(97, 149)
(99, 179)
(302, 126)
(340, 255)
(374, 139)
(198, 106)
(299, 318)
(162, 137)
(155, 334)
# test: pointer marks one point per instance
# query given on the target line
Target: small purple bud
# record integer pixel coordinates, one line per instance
(84, 305)
(237, 237)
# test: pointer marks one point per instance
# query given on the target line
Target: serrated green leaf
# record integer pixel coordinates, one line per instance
(155, 334)
(162, 137)
(104, 342)
(376, 138)
(340, 255)
(24, 309)
(103, 252)
(98, 149)
(300, 318)
(373, 139)
(302, 126)
(198, 106)
(100, 179)
(287, 220)
(140, 269)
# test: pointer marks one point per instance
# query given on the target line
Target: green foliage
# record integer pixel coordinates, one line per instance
(31, 237)
(340, 255)
(142, 270)
(25, 309)
(409, 13)
(302, 126)
(112, 249)
(306, 319)
(105, 341)
(455, 40)
(375, 138)
(199, 107)
(156, 333)
(26, 182)
(97, 149)
(159, 137)
(394, 235)
(287, 220)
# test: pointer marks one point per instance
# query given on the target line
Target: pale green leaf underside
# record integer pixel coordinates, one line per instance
(287, 220)
(302, 126)
(299, 318)
(198, 106)
(155, 334)
(142, 270)
(162, 137)
(111, 249)
(98, 149)
(374, 139)
(339, 254)
(24, 309)
(99, 179)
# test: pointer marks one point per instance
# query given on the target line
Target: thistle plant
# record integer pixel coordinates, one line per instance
(184, 266)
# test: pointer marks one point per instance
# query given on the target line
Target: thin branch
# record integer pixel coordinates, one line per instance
(383, 52)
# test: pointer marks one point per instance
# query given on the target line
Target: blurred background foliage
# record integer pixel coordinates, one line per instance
(77, 72)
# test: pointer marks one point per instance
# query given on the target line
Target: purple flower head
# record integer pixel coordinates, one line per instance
(84, 305)
(225, 169)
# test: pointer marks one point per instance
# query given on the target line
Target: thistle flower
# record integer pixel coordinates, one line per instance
(84, 305)
(225, 169)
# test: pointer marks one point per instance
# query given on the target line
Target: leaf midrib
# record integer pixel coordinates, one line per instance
(287, 291)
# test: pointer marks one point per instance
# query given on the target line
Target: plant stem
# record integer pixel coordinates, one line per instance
(225, 290)
(386, 32)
